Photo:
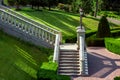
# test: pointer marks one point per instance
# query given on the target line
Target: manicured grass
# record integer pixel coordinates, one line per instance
(111, 14)
(62, 21)
(21, 61)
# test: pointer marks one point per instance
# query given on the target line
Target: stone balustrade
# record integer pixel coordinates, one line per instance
(28, 27)
(30, 20)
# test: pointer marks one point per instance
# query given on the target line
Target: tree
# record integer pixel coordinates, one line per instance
(86, 5)
(52, 3)
(103, 28)
(17, 3)
(96, 8)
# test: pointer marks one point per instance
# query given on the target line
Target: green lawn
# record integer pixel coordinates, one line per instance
(62, 21)
(21, 61)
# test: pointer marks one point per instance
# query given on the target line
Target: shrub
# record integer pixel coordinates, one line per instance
(117, 78)
(48, 71)
(64, 7)
(103, 28)
(89, 33)
(71, 39)
(112, 44)
(95, 42)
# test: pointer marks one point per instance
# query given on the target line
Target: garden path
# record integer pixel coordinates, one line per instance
(115, 21)
(102, 64)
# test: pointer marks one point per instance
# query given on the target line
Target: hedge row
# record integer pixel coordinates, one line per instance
(117, 78)
(48, 71)
(113, 45)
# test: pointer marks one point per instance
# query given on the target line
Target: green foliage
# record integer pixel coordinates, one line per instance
(5, 2)
(93, 41)
(48, 72)
(103, 28)
(117, 78)
(112, 44)
(64, 7)
(86, 5)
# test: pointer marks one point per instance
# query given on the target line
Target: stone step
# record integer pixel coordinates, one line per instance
(69, 71)
(66, 65)
(69, 68)
(69, 59)
(72, 60)
(70, 74)
(69, 56)
(69, 53)
(68, 50)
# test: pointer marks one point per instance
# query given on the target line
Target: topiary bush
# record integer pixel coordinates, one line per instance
(103, 28)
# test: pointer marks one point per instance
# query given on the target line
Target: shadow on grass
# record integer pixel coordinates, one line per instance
(58, 20)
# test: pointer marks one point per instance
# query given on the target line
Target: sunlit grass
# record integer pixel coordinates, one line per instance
(20, 61)
(63, 21)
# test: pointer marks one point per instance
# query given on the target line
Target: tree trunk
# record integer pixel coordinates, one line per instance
(17, 6)
(49, 7)
(96, 9)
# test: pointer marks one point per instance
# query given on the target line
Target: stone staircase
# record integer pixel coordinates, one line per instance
(69, 63)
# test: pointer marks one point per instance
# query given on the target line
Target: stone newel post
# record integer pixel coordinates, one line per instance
(81, 46)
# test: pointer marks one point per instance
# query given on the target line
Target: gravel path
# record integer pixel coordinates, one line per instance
(103, 65)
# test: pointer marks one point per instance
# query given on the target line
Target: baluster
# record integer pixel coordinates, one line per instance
(39, 33)
(23, 26)
(2, 16)
(29, 29)
(35, 31)
(32, 28)
(10, 19)
(49, 37)
(29, 26)
(26, 27)
(14, 21)
(43, 34)
(20, 25)
(7, 17)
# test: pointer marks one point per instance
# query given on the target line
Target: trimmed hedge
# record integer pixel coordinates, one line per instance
(117, 78)
(48, 71)
(112, 44)
(95, 42)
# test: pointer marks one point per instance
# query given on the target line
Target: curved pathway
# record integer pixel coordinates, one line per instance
(112, 20)
(103, 65)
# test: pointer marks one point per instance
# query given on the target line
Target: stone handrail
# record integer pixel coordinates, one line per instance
(56, 48)
(28, 27)
(29, 20)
